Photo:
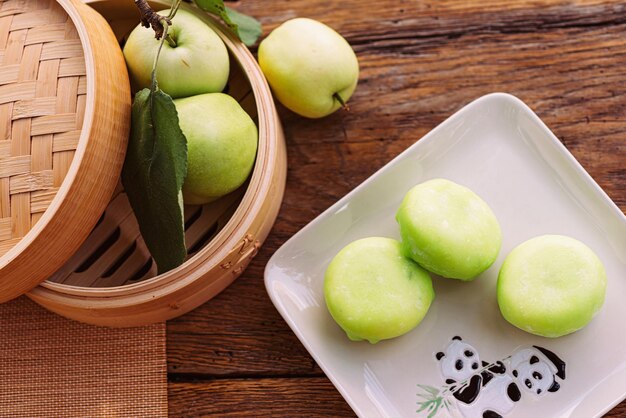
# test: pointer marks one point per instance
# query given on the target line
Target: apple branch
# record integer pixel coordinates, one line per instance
(150, 18)
(165, 26)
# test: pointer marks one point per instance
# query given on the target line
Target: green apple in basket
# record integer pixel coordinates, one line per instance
(194, 60)
(204, 138)
(221, 142)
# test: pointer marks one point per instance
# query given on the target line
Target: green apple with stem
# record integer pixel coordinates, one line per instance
(194, 59)
(221, 145)
(311, 69)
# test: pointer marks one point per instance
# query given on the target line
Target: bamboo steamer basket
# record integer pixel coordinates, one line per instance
(112, 281)
(64, 125)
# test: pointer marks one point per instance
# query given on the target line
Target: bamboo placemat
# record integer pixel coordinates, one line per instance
(54, 367)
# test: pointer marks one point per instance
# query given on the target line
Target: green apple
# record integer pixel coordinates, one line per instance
(551, 285)
(447, 229)
(221, 145)
(374, 292)
(197, 64)
(309, 66)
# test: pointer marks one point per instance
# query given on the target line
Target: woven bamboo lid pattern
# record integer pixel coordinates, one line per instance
(64, 121)
(42, 104)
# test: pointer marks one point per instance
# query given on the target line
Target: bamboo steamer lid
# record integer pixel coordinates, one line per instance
(64, 121)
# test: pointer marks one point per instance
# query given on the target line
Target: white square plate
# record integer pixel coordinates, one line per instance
(501, 150)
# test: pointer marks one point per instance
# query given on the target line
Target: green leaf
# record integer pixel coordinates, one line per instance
(153, 176)
(435, 408)
(423, 406)
(247, 28)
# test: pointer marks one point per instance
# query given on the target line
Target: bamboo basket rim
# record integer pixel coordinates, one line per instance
(220, 246)
(69, 6)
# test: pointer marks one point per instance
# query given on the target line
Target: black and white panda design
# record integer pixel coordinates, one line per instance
(492, 391)
(535, 369)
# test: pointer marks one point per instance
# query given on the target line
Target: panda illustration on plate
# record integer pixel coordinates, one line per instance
(478, 389)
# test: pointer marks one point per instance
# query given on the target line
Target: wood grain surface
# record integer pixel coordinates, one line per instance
(420, 62)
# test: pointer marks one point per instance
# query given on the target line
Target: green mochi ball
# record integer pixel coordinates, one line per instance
(551, 285)
(447, 229)
(374, 292)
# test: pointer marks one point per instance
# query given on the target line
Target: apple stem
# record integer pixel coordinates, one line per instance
(345, 106)
(169, 18)
(171, 41)
(156, 57)
(165, 24)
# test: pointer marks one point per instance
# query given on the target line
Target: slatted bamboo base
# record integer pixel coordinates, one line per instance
(116, 255)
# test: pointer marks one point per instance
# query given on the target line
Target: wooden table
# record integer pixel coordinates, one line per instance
(420, 62)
